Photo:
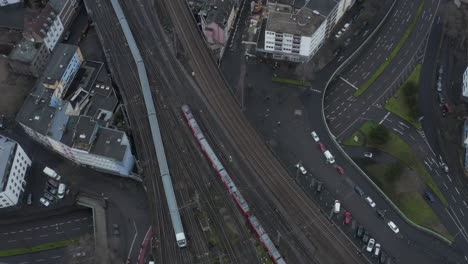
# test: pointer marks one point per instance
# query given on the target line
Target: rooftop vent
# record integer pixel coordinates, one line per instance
(107, 87)
(118, 140)
(36, 117)
(82, 136)
(316, 12)
(61, 66)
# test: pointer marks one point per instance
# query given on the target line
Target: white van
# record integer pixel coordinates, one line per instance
(336, 208)
(61, 190)
(51, 173)
(329, 157)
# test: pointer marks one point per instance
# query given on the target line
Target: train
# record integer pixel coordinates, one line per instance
(231, 186)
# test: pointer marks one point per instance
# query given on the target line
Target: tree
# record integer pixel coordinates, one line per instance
(379, 135)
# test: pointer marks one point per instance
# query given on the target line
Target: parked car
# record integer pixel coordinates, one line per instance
(376, 250)
(53, 182)
(368, 154)
(439, 85)
(383, 257)
(301, 168)
(347, 218)
(429, 196)
(337, 206)
(358, 190)
(370, 245)
(61, 190)
(44, 202)
(116, 230)
(315, 136)
(79, 254)
(359, 231)
(319, 187)
(393, 227)
(365, 237)
(67, 35)
(340, 170)
(322, 147)
(381, 213)
(50, 189)
(29, 200)
(441, 98)
(370, 201)
(446, 168)
(49, 196)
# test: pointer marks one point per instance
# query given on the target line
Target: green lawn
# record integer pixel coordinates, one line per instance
(399, 149)
(398, 105)
(289, 81)
(395, 51)
(411, 204)
(43, 247)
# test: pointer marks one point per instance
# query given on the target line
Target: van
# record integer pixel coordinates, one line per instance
(61, 190)
(51, 173)
(329, 157)
(429, 196)
(337, 206)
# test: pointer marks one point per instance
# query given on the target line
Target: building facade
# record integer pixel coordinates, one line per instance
(45, 27)
(67, 10)
(296, 33)
(465, 84)
(29, 58)
(14, 164)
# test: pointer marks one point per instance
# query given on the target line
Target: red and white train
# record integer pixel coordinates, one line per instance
(235, 193)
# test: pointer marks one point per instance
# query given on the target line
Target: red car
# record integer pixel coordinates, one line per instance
(347, 218)
(340, 170)
(322, 147)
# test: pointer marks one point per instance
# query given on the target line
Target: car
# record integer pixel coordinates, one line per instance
(50, 189)
(340, 170)
(53, 182)
(347, 218)
(44, 202)
(439, 85)
(116, 230)
(394, 227)
(383, 257)
(370, 245)
(429, 196)
(446, 168)
(315, 136)
(360, 231)
(441, 98)
(67, 35)
(301, 168)
(322, 147)
(370, 201)
(319, 187)
(446, 108)
(358, 190)
(365, 237)
(381, 213)
(376, 250)
(2, 121)
(337, 206)
(441, 70)
(79, 254)
(368, 154)
(29, 200)
(49, 196)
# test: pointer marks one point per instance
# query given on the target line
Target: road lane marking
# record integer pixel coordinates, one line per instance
(348, 83)
(453, 198)
(56, 257)
(465, 203)
(44, 235)
(445, 185)
(13, 240)
(58, 233)
(75, 229)
(449, 178)
(457, 190)
(461, 212)
(383, 119)
(456, 224)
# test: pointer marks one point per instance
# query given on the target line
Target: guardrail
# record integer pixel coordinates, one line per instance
(332, 77)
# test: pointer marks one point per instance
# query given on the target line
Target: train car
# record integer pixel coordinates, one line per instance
(265, 238)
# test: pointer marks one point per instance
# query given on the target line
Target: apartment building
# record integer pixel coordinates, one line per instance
(295, 30)
(45, 27)
(14, 164)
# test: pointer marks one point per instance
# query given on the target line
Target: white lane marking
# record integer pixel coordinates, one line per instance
(383, 119)
(403, 124)
(465, 203)
(56, 257)
(77, 220)
(398, 131)
(76, 229)
(461, 212)
(457, 190)
(445, 185)
(44, 235)
(456, 223)
(58, 233)
(449, 178)
(12, 232)
(44, 226)
(40, 260)
(352, 85)
(453, 198)
(13, 240)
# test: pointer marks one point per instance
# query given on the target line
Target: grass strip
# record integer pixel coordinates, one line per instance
(399, 149)
(43, 247)
(398, 105)
(289, 81)
(395, 51)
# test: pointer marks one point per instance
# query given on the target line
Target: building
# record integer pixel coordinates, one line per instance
(12, 16)
(465, 84)
(295, 30)
(45, 27)
(76, 122)
(29, 58)
(217, 18)
(14, 164)
(67, 10)
(465, 143)
(9, 2)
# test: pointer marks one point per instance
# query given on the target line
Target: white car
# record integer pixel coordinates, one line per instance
(44, 201)
(370, 245)
(370, 201)
(315, 136)
(393, 227)
(368, 154)
(337, 206)
(446, 169)
(377, 250)
(301, 168)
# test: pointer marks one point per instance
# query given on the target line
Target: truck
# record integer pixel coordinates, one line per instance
(329, 157)
(51, 173)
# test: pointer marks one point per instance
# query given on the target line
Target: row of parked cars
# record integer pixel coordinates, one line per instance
(54, 189)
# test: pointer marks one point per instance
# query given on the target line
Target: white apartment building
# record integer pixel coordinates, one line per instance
(296, 32)
(465, 84)
(47, 27)
(14, 164)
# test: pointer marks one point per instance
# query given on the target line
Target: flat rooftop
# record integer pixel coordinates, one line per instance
(25, 51)
(58, 62)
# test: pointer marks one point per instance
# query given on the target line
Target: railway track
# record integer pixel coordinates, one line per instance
(313, 237)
